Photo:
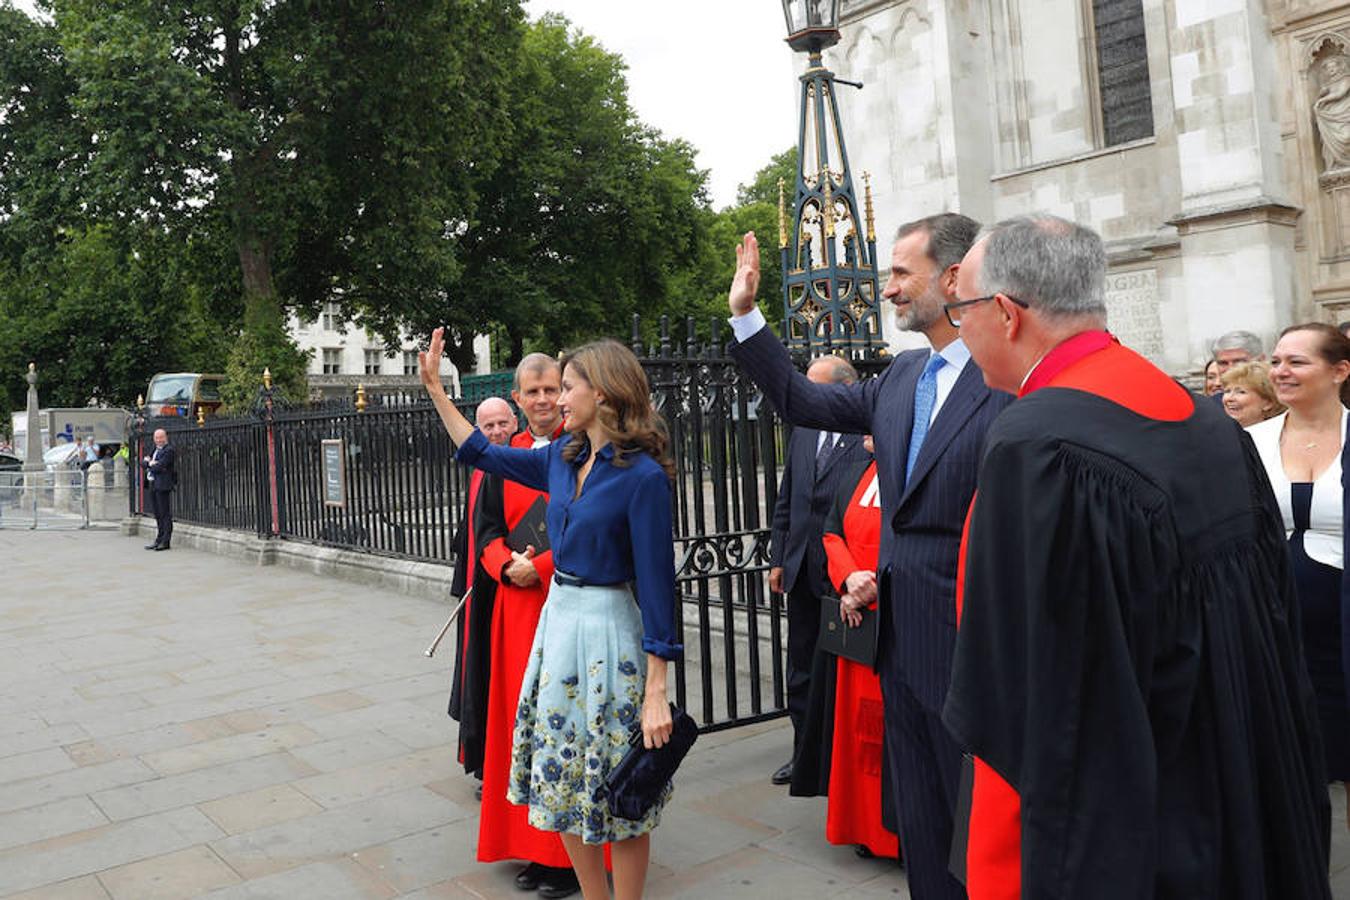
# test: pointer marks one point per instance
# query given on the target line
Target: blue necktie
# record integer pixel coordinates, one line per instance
(925, 398)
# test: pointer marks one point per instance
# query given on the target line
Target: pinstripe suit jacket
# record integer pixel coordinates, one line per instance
(922, 520)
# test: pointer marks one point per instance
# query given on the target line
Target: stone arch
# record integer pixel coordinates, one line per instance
(1323, 45)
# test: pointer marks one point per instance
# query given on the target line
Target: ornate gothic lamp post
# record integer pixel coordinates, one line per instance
(830, 291)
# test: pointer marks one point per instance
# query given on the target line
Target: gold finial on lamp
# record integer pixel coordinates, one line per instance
(867, 195)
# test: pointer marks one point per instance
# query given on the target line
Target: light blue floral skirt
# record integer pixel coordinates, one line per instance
(579, 703)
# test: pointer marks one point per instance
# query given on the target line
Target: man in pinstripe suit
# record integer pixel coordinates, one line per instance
(928, 413)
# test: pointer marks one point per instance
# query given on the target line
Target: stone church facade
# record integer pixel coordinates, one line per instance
(1208, 141)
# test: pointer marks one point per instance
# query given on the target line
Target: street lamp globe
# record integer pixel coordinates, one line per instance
(812, 25)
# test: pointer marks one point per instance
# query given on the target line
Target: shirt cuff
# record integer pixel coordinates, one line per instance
(748, 325)
(662, 649)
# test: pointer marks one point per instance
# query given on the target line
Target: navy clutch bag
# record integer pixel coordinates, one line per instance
(636, 783)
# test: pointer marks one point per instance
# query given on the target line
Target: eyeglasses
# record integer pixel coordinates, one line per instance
(953, 309)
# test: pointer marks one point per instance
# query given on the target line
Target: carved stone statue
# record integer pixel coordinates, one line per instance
(1332, 109)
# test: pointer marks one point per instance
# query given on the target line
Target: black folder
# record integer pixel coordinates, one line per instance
(532, 529)
(858, 644)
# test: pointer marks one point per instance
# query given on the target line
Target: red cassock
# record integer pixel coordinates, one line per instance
(1092, 362)
(854, 808)
(503, 830)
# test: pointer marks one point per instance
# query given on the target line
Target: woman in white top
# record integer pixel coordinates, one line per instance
(1301, 450)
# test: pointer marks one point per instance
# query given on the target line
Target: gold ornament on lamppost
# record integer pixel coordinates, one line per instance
(360, 398)
(867, 198)
(782, 215)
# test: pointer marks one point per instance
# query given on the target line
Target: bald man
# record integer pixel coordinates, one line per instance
(162, 478)
(469, 690)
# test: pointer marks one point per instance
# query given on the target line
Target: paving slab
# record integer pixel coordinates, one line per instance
(337, 832)
(200, 785)
(331, 880)
(181, 875)
(86, 888)
(106, 847)
(252, 810)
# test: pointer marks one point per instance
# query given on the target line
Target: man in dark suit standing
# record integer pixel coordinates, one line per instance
(928, 413)
(163, 478)
(808, 488)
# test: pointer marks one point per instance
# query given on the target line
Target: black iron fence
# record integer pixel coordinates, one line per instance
(378, 475)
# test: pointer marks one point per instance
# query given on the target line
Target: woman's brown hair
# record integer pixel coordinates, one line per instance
(1333, 347)
(626, 413)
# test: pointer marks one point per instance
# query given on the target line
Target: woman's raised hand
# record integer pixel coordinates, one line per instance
(429, 361)
(429, 370)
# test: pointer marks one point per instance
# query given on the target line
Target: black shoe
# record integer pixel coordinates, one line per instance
(478, 795)
(163, 547)
(152, 546)
(527, 879)
(862, 852)
(784, 774)
(558, 882)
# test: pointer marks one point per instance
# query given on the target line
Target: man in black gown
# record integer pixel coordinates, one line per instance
(1128, 670)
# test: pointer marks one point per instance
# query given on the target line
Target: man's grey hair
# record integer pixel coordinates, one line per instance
(950, 236)
(1055, 266)
(1237, 340)
(841, 370)
(536, 364)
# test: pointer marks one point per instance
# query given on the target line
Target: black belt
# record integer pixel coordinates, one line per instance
(573, 581)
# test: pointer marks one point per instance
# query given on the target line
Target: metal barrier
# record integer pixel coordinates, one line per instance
(50, 499)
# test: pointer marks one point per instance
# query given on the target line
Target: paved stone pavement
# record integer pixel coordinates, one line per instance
(182, 725)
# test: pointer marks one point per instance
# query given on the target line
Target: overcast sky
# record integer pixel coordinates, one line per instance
(714, 72)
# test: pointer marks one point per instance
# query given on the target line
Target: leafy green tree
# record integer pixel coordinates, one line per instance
(591, 216)
(92, 314)
(705, 280)
(763, 188)
(335, 145)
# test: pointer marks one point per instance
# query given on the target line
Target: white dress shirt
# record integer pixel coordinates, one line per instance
(747, 326)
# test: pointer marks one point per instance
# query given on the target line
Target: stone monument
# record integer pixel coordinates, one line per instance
(33, 449)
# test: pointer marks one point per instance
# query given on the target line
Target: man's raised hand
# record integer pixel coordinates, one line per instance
(745, 285)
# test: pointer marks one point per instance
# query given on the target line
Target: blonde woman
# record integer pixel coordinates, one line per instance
(597, 669)
(1248, 394)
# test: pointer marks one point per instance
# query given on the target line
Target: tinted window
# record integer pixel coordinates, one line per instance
(1122, 69)
(171, 389)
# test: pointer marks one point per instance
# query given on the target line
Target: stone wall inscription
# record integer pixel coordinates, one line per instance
(1132, 311)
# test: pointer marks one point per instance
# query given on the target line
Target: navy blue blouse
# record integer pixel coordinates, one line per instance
(620, 529)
